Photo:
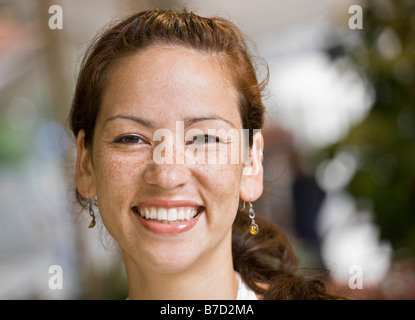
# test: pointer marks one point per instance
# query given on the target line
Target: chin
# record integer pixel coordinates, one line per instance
(170, 260)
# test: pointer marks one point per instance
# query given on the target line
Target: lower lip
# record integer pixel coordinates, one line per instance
(168, 228)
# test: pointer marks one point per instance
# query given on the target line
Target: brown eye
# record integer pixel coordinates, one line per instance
(206, 139)
(130, 139)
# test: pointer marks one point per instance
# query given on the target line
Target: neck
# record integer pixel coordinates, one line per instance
(210, 278)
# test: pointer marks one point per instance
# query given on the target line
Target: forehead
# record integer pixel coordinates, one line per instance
(171, 81)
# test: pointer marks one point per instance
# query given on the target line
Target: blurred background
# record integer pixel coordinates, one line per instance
(339, 156)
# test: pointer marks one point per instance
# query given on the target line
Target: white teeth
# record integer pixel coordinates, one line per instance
(180, 214)
(153, 213)
(162, 214)
(171, 214)
(187, 215)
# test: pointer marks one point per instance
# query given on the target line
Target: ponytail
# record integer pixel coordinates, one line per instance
(268, 265)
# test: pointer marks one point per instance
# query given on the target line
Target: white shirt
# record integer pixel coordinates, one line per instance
(244, 292)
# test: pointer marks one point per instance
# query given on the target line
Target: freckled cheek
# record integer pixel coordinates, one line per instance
(222, 184)
(117, 180)
(117, 176)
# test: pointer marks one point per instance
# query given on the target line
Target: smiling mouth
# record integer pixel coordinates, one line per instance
(168, 215)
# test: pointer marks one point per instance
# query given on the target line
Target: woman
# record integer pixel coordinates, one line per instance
(163, 85)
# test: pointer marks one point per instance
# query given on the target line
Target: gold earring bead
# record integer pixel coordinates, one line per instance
(92, 224)
(254, 229)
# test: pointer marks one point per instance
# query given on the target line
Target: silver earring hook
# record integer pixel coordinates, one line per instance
(250, 199)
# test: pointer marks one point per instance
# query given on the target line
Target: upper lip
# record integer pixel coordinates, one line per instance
(168, 203)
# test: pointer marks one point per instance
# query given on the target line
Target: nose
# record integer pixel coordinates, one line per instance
(167, 170)
(167, 176)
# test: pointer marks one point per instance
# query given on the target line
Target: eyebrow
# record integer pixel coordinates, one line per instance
(143, 122)
(150, 124)
(190, 121)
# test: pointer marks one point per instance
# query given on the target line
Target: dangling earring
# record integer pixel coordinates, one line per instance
(91, 213)
(254, 229)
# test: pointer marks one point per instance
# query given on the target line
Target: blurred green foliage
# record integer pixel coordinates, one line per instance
(14, 145)
(385, 140)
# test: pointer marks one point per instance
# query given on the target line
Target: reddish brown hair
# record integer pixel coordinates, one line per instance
(266, 258)
(216, 36)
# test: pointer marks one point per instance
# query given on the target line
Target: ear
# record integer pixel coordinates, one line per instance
(85, 179)
(253, 174)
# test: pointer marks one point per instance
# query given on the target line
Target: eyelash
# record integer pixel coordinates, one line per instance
(130, 139)
(133, 139)
(204, 138)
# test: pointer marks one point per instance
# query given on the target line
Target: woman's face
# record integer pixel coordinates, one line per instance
(190, 205)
